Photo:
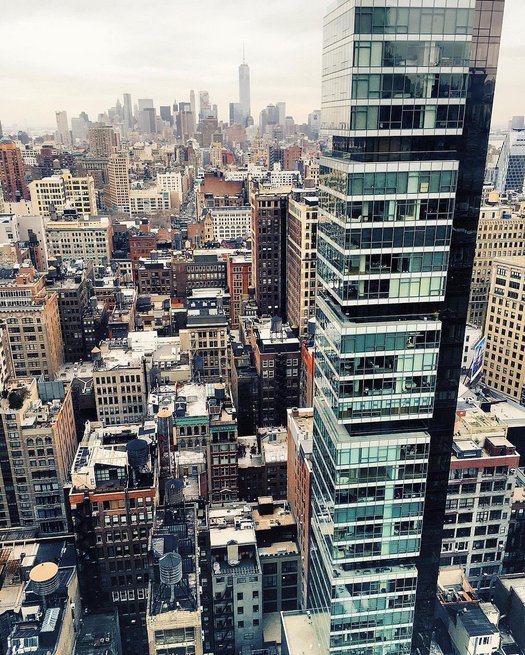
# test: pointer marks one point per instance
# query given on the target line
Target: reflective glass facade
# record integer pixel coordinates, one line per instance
(407, 97)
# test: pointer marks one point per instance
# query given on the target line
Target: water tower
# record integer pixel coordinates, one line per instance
(45, 580)
(170, 568)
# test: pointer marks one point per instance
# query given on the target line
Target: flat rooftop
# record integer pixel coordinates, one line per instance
(279, 548)
(98, 633)
(299, 634)
(516, 583)
(281, 516)
(222, 536)
(69, 372)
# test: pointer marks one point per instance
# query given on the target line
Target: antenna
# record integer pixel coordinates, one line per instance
(243, 54)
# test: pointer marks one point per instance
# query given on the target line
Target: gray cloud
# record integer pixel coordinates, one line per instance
(80, 56)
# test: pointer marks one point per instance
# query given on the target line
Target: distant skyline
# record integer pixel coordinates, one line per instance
(77, 57)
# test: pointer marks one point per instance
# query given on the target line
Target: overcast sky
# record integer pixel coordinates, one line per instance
(79, 56)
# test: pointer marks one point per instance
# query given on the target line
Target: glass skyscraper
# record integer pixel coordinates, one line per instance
(406, 104)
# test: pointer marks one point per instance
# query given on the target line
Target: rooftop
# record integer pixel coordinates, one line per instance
(204, 400)
(174, 532)
(243, 534)
(274, 443)
(473, 618)
(514, 582)
(17, 594)
(274, 515)
(104, 460)
(115, 354)
(98, 633)
(279, 548)
(248, 452)
(299, 634)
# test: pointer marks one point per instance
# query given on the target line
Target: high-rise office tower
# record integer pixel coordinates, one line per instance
(192, 102)
(406, 109)
(204, 104)
(128, 112)
(281, 113)
(165, 114)
(12, 172)
(244, 90)
(510, 169)
(63, 134)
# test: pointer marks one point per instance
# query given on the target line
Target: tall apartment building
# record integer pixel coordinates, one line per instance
(37, 430)
(277, 359)
(480, 491)
(235, 581)
(119, 384)
(12, 172)
(404, 139)
(63, 191)
(118, 176)
(206, 336)
(73, 284)
(245, 387)
(238, 278)
(113, 496)
(505, 329)
(30, 313)
(103, 140)
(205, 422)
(174, 612)
(510, 168)
(269, 248)
(300, 445)
(88, 238)
(301, 262)
(501, 233)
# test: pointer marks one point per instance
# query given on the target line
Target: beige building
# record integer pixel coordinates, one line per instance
(505, 329)
(231, 223)
(148, 201)
(30, 313)
(38, 420)
(118, 175)
(119, 384)
(60, 192)
(216, 154)
(501, 233)
(103, 140)
(206, 339)
(301, 260)
(88, 239)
